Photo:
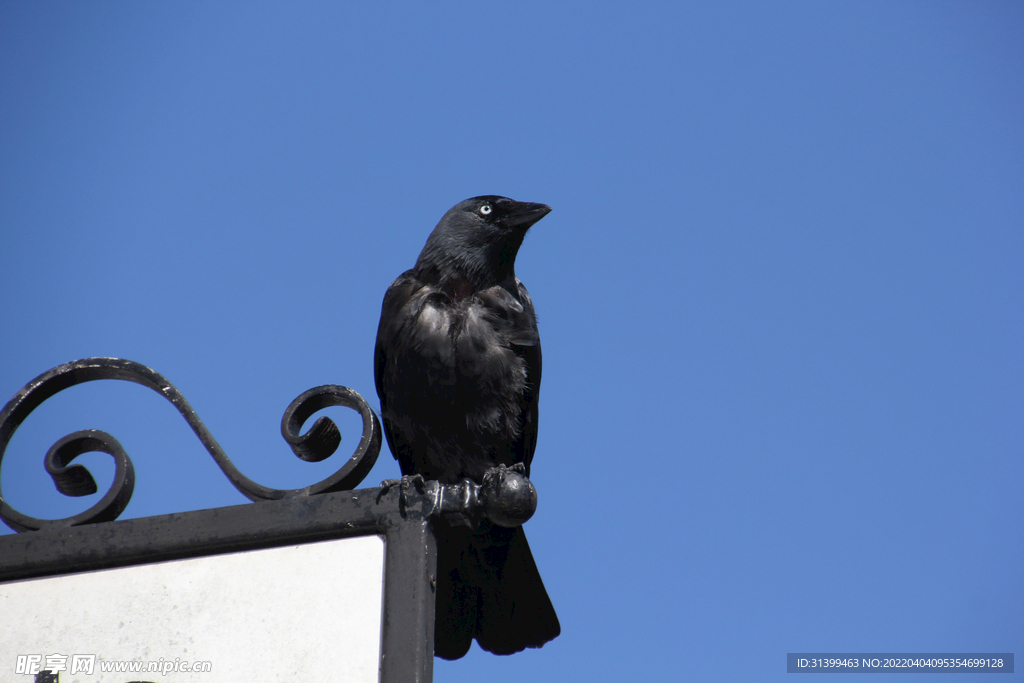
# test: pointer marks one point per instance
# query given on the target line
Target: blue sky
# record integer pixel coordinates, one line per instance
(780, 292)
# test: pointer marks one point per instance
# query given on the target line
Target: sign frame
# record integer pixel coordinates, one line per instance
(410, 555)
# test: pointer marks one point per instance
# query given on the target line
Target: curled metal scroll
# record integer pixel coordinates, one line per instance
(75, 480)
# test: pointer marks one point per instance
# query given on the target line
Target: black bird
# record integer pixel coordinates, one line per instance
(457, 366)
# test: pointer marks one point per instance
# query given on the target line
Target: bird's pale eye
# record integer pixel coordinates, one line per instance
(485, 209)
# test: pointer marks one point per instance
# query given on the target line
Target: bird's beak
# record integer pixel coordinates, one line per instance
(525, 215)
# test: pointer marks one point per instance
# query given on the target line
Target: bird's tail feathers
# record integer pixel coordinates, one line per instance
(516, 612)
(488, 587)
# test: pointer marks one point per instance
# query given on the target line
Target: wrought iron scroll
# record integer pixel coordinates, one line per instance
(75, 480)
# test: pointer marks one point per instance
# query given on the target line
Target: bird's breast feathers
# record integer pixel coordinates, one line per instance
(467, 355)
(474, 337)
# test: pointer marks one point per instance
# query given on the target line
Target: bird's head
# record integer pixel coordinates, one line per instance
(475, 244)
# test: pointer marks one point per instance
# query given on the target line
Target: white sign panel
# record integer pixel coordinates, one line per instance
(307, 612)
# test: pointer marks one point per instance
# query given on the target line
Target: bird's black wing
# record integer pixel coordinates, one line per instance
(527, 346)
(395, 364)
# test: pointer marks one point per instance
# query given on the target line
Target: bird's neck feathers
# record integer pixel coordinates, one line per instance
(462, 267)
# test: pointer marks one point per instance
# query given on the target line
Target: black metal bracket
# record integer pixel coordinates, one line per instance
(404, 518)
(508, 500)
(319, 443)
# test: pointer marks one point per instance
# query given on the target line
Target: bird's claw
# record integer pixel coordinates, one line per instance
(405, 482)
(500, 471)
